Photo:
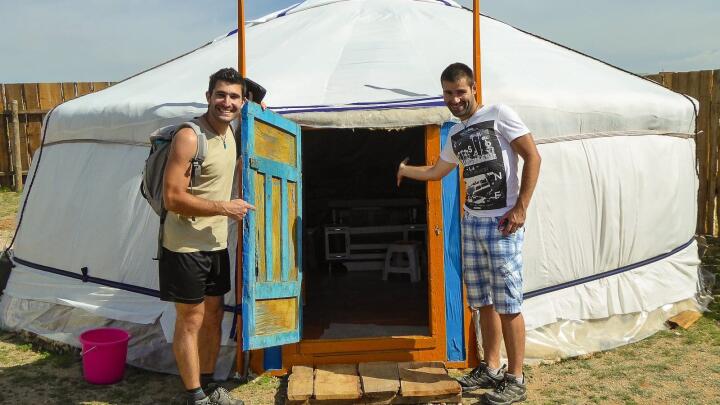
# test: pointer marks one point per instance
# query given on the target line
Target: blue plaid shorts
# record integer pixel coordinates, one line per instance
(492, 264)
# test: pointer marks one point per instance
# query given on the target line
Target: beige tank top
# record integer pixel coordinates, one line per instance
(185, 235)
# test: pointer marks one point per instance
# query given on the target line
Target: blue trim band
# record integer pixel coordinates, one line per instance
(284, 13)
(599, 276)
(454, 311)
(405, 100)
(272, 358)
(360, 108)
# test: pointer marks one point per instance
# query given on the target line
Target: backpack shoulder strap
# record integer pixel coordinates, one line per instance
(202, 145)
(201, 151)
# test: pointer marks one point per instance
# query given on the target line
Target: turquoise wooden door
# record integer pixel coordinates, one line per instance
(272, 234)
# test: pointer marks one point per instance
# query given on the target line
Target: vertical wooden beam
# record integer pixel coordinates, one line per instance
(241, 38)
(476, 51)
(680, 82)
(84, 88)
(17, 157)
(69, 91)
(239, 354)
(436, 247)
(239, 357)
(471, 337)
(5, 130)
(714, 130)
(667, 79)
(704, 90)
(49, 94)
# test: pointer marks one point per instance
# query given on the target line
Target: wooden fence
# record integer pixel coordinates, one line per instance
(703, 86)
(34, 101)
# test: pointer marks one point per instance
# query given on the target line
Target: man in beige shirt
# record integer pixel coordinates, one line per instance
(195, 266)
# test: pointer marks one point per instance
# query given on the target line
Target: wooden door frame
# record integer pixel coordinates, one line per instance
(397, 348)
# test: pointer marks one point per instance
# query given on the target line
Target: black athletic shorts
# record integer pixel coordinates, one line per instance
(188, 278)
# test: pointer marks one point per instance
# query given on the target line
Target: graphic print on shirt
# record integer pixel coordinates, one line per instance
(478, 148)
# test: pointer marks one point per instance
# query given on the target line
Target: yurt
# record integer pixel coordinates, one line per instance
(609, 246)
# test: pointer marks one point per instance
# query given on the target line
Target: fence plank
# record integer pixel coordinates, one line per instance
(17, 153)
(25, 156)
(658, 78)
(714, 125)
(667, 79)
(50, 95)
(681, 84)
(69, 92)
(693, 84)
(84, 88)
(704, 96)
(97, 86)
(33, 130)
(14, 92)
(31, 97)
(4, 139)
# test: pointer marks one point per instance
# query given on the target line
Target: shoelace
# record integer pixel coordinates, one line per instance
(222, 391)
(477, 371)
(501, 386)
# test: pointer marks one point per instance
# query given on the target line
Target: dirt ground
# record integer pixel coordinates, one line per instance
(672, 367)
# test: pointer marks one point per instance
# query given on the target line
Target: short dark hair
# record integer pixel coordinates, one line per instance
(457, 71)
(228, 75)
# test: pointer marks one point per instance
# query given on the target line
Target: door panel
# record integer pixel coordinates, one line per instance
(272, 271)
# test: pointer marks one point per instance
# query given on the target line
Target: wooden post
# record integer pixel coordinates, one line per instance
(17, 157)
(241, 38)
(476, 51)
(240, 361)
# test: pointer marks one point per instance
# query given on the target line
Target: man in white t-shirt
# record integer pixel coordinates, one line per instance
(487, 143)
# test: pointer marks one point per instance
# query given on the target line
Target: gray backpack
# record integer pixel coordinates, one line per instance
(152, 178)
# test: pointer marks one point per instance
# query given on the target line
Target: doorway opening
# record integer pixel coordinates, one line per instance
(365, 239)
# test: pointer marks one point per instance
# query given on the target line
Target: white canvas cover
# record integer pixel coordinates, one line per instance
(617, 185)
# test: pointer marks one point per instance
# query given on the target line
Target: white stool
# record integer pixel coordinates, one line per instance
(395, 251)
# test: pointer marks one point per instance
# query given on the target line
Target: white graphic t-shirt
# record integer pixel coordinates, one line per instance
(482, 145)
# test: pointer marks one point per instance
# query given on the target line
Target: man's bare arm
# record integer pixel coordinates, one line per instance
(177, 180)
(515, 218)
(424, 173)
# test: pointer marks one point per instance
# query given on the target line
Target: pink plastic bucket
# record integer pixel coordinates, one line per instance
(104, 351)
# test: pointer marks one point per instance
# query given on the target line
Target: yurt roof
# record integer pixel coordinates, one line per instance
(376, 63)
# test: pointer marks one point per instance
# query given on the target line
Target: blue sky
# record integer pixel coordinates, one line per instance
(108, 40)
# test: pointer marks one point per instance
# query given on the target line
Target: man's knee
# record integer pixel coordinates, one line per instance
(189, 317)
(213, 310)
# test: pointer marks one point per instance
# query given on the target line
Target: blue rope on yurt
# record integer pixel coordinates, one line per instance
(609, 273)
(85, 277)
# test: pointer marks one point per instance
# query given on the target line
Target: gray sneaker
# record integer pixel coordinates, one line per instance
(508, 391)
(220, 396)
(204, 401)
(480, 377)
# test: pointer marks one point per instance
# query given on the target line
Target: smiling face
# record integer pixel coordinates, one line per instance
(225, 101)
(459, 97)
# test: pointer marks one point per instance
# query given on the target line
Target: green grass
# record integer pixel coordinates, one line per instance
(9, 201)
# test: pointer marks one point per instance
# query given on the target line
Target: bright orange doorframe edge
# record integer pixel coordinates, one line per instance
(405, 348)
